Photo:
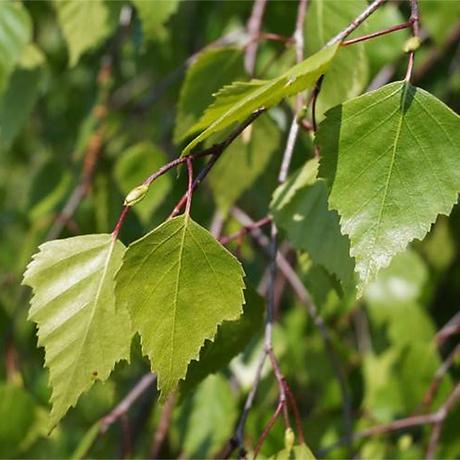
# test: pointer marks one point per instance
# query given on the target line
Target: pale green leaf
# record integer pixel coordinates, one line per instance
(133, 166)
(231, 339)
(236, 102)
(348, 74)
(300, 452)
(179, 284)
(84, 24)
(206, 419)
(73, 304)
(15, 33)
(212, 70)
(300, 208)
(244, 161)
(392, 161)
(153, 14)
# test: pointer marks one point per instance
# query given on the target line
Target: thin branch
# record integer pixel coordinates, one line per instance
(304, 296)
(245, 230)
(268, 427)
(438, 377)
(219, 149)
(253, 28)
(450, 328)
(163, 426)
(379, 33)
(125, 404)
(190, 184)
(356, 22)
(437, 417)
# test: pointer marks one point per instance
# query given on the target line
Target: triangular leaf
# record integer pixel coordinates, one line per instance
(179, 284)
(84, 335)
(392, 160)
(300, 208)
(236, 102)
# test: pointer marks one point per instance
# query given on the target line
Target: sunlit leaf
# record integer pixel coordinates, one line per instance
(73, 304)
(391, 158)
(179, 284)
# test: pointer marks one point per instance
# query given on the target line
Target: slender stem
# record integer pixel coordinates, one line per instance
(219, 149)
(190, 185)
(245, 230)
(314, 100)
(254, 25)
(414, 17)
(409, 422)
(120, 222)
(356, 22)
(163, 426)
(379, 33)
(125, 404)
(268, 427)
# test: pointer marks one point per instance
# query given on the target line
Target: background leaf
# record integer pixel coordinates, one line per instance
(300, 208)
(84, 24)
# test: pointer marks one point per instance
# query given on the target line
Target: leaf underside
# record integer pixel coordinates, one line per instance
(73, 304)
(392, 161)
(179, 284)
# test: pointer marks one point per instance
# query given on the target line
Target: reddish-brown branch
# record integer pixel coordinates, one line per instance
(163, 427)
(245, 230)
(268, 427)
(379, 33)
(219, 149)
(188, 204)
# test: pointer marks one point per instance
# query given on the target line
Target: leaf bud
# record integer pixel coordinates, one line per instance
(289, 439)
(136, 194)
(412, 44)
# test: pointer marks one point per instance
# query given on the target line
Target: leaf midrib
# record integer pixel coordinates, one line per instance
(387, 184)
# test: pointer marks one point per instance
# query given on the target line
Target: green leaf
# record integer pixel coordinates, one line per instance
(391, 160)
(348, 74)
(18, 414)
(231, 339)
(15, 33)
(84, 24)
(179, 284)
(205, 421)
(132, 168)
(153, 14)
(84, 335)
(212, 70)
(300, 452)
(300, 208)
(244, 161)
(17, 103)
(236, 102)
(439, 17)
